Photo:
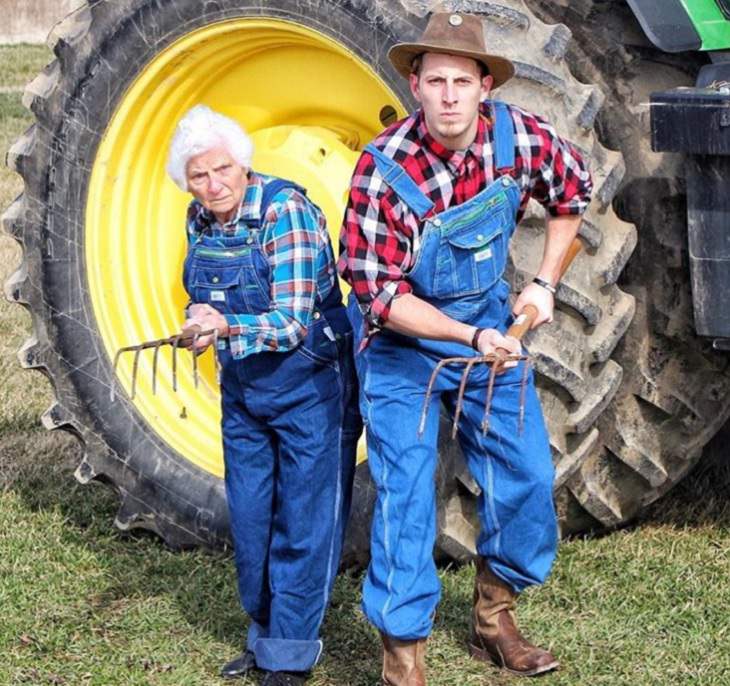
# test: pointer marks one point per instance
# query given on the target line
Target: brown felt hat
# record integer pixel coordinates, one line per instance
(450, 33)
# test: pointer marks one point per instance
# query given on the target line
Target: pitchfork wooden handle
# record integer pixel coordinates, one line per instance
(522, 324)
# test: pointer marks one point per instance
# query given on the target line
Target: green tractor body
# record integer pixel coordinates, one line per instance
(696, 121)
(681, 25)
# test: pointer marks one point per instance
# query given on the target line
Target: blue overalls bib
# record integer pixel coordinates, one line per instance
(458, 269)
(290, 428)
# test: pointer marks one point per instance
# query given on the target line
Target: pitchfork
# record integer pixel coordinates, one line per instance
(186, 338)
(497, 359)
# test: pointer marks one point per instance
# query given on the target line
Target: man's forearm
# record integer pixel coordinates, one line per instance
(559, 235)
(412, 316)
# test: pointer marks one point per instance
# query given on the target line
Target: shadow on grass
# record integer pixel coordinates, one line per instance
(38, 466)
(703, 497)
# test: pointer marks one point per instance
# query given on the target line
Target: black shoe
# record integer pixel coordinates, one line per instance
(284, 678)
(240, 666)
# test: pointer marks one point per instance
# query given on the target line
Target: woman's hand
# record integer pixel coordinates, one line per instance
(207, 318)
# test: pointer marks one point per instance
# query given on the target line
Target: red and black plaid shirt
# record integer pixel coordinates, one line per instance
(380, 235)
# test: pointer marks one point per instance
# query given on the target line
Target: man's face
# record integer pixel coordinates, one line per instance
(450, 89)
(217, 181)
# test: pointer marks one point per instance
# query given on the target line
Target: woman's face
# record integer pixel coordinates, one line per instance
(217, 181)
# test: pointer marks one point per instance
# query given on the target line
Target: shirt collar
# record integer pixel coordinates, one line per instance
(458, 161)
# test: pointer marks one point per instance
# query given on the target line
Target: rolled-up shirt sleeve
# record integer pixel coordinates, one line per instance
(561, 181)
(291, 244)
(374, 251)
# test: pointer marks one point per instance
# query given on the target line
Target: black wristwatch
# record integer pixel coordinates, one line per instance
(545, 284)
(475, 338)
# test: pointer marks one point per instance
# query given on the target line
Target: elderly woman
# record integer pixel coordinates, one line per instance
(260, 270)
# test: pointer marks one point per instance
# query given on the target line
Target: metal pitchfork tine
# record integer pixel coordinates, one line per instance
(188, 337)
(154, 368)
(429, 390)
(460, 397)
(175, 343)
(496, 363)
(196, 336)
(521, 325)
(495, 360)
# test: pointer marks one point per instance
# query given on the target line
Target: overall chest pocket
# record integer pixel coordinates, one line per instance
(472, 258)
(231, 289)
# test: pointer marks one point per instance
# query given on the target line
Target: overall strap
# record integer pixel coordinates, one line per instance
(271, 189)
(504, 137)
(399, 180)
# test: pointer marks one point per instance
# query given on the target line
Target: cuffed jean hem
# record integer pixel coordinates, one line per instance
(286, 655)
(255, 631)
(516, 582)
(414, 629)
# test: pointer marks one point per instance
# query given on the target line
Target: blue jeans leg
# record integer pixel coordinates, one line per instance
(401, 589)
(305, 544)
(351, 431)
(515, 473)
(249, 456)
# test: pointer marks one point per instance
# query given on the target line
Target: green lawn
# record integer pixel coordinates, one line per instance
(84, 604)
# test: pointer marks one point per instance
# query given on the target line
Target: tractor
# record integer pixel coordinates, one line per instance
(632, 374)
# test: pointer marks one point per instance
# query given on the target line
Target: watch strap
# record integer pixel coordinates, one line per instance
(545, 284)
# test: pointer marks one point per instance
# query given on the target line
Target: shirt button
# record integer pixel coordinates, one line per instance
(480, 237)
(505, 181)
(249, 240)
(215, 279)
(437, 222)
(316, 315)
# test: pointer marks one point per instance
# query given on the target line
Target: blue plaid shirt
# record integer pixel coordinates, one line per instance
(295, 240)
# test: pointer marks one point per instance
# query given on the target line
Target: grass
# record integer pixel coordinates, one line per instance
(18, 65)
(21, 64)
(84, 604)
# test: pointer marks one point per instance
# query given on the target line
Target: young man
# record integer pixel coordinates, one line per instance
(434, 201)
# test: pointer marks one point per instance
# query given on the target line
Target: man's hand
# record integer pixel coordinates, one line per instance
(490, 340)
(206, 317)
(541, 298)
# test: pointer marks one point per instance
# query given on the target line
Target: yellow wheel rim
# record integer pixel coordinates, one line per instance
(309, 104)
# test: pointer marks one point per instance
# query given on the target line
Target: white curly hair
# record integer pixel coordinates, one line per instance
(202, 129)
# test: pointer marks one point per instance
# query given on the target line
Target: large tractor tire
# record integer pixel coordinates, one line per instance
(676, 391)
(673, 391)
(102, 233)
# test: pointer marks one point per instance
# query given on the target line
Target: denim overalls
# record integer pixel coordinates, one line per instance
(290, 428)
(458, 269)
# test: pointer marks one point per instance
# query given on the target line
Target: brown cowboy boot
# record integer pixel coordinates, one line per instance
(494, 636)
(404, 662)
